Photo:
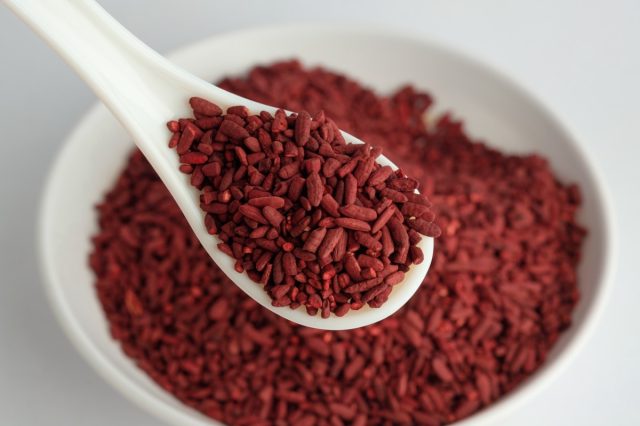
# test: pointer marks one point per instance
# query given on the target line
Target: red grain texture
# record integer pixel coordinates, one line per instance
(500, 291)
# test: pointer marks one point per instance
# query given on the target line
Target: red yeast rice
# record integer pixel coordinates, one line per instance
(301, 211)
(499, 293)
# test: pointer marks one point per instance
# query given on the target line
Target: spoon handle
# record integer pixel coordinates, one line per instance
(142, 89)
(132, 79)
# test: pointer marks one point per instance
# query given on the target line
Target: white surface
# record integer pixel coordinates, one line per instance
(491, 106)
(144, 91)
(581, 59)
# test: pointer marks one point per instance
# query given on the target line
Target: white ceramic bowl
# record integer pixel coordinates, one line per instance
(492, 107)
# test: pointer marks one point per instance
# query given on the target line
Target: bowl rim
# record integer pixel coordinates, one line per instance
(498, 409)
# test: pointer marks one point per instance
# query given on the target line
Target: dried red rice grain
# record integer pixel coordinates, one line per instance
(204, 107)
(525, 299)
(262, 195)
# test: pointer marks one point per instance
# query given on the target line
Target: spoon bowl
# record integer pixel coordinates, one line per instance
(144, 91)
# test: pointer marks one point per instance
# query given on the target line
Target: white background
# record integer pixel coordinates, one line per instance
(582, 58)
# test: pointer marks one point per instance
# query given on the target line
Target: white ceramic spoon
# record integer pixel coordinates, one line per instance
(144, 91)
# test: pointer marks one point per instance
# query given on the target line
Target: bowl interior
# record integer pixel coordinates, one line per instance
(493, 109)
